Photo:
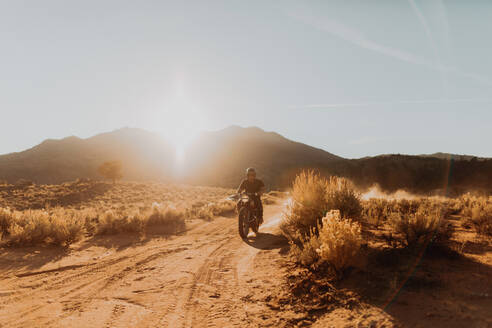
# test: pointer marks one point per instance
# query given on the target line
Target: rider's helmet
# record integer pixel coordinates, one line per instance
(250, 170)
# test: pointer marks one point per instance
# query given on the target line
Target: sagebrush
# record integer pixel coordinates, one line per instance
(337, 242)
(58, 227)
(312, 197)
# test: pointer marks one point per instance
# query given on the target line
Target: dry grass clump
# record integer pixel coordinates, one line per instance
(376, 210)
(102, 208)
(406, 206)
(31, 214)
(312, 197)
(336, 243)
(64, 226)
(158, 217)
(341, 196)
(481, 219)
(340, 241)
(477, 213)
(422, 227)
(411, 223)
(165, 215)
(6, 220)
(203, 213)
(57, 227)
(208, 211)
(60, 226)
(308, 204)
(304, 252)
(222, 208)
(111, 223)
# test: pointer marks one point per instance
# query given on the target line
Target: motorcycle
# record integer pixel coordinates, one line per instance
(248, 213)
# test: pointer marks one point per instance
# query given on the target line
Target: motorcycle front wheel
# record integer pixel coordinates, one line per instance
(255, 226)
(243, 223)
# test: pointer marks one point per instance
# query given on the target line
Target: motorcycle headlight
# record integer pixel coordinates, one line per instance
(245, 198)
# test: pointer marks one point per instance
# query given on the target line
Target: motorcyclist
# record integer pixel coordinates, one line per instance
(255, 186)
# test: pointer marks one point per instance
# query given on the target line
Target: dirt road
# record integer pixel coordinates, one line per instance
(207, 277)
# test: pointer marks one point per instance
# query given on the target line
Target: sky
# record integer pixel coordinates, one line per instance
(355, 78)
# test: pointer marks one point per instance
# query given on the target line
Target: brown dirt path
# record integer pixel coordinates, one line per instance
(207, 277)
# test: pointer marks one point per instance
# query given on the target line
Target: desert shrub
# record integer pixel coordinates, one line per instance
(129, 205)
(171, 219)
(336, 242)
(6, 220)
(111, 223)
(340, 241)
(406, 206)
(207, 212)
(454, 206)
(203, 213)
(107, 224)
(65, 229)
(165, 218)
(90, 218)
(341, 195)
(481, 219)
(376, 210)
(424, 226)
(312, 197)
(442, 235)
(304, 252)
(58, 227)
(307, 207)
(477, 213)
(222, 208)
(469, 201)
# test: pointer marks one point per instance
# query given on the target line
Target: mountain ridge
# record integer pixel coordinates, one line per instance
(218, 158)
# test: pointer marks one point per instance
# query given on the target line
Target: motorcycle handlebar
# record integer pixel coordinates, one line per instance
(235, 196)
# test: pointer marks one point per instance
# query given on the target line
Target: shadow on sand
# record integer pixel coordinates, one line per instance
(267, 241)
(122, 241)
(416, 289)
(29, 258)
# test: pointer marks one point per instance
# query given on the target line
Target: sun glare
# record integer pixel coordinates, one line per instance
(181, 123)
(178, 119)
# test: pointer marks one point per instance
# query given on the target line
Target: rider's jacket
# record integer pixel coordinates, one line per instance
(251, 187)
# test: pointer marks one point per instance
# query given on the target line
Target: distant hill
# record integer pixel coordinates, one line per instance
(220, 158)
(144, 154)
(453, 156)
(420, 174)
